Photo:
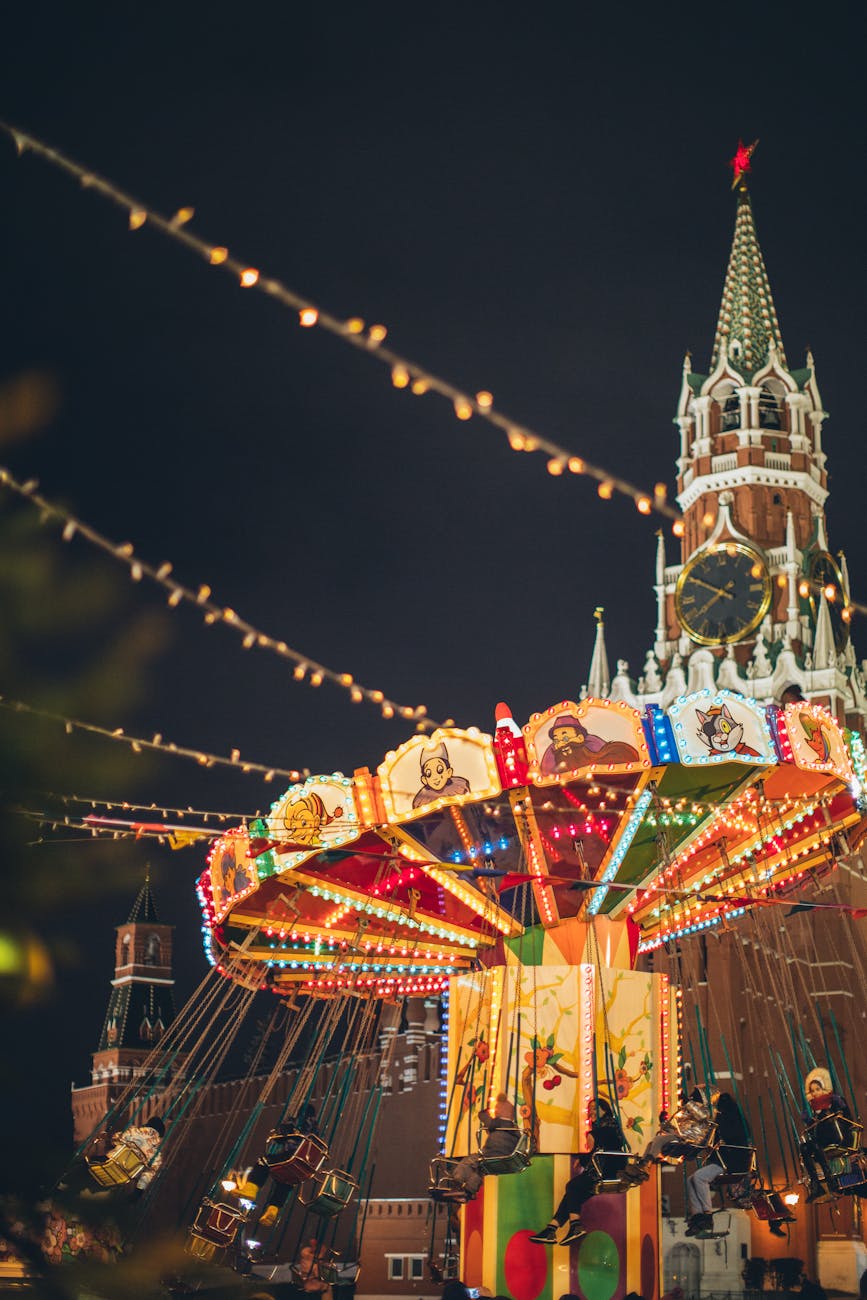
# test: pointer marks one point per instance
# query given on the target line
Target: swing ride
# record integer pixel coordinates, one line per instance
(521, 875)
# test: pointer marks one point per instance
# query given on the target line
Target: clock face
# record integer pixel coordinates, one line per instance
(825, 574)
(722, 594)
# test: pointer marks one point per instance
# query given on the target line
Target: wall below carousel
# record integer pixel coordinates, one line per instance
(702, 1267)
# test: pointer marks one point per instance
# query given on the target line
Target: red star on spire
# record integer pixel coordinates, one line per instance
(740, 164)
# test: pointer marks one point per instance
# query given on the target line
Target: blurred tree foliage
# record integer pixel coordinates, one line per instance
(78, 640)
(72, 643)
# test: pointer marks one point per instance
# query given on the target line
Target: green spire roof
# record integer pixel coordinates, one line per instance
(747, 319)
(144, 908)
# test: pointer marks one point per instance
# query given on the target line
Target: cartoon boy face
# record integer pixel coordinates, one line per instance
(436, 773)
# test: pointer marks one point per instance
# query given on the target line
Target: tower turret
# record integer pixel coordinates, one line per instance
(140, 1009)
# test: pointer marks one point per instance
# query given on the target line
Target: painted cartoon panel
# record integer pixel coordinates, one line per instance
(449, 767)
(553, 1038)
(233, 871)
(721, 727)
(817, 741)
(318, 814)
(595, 735)
(470, 1064)
(626, 1050)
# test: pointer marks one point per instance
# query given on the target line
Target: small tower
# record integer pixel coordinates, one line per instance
(140, 1008)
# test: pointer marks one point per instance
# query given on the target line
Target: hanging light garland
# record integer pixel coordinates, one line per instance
(405, 374)
(305, 669)
(139, 743)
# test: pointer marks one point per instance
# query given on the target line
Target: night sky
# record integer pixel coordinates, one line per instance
(537, 204)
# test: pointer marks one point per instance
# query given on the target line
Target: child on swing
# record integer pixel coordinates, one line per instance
(501, 1137)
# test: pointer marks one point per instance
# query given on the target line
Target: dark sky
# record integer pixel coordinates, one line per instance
(533, 203)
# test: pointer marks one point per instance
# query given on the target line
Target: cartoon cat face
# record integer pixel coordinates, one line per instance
(719, 730)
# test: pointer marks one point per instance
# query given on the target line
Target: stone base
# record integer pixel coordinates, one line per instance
(840, 1261)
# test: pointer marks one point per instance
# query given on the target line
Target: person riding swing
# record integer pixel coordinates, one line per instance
(606, 1136)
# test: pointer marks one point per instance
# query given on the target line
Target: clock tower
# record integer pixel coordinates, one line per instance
(756, 602)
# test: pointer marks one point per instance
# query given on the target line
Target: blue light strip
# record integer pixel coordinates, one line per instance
(629, 832)
(444, 1073)
(651, 945)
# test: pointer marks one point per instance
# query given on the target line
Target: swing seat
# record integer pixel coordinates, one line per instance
(121, 1166)
(217, 1222)
(338, 1272)
(443, 1186)
(513, 1162)
(328, 1192)
(836, 1135)
(737, 1163)
(200, 1248)
(852, 1178)
(292, 1158)
(607, 1167)
(674, 1153)
(762, 1205)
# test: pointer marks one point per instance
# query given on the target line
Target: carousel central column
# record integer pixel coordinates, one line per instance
(561, 1022)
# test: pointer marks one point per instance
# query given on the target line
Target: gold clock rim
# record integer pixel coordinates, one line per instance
(742, 633)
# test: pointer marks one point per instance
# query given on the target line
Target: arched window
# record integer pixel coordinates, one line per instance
(770, 405)
(731, 412)
(729, 405)
(152, 951)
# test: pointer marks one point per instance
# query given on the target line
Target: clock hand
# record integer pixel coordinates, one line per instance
(699, 613)
(720, 591)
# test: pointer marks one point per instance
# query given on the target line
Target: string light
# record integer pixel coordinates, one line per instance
(138, 743)
(201, 596)
(126, 805)
(351, 331)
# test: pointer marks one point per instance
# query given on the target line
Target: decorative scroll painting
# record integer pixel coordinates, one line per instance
(449, 767)
(817, 741)
(318, 814)
(233, 871)
(593, 736)
(625, 1025)
(721, 727)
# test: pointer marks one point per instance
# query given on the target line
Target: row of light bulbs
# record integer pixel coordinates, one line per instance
(404, 373)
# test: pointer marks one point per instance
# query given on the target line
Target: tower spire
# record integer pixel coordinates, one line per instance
(747, 324)
(599, 679)
(144, 908)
